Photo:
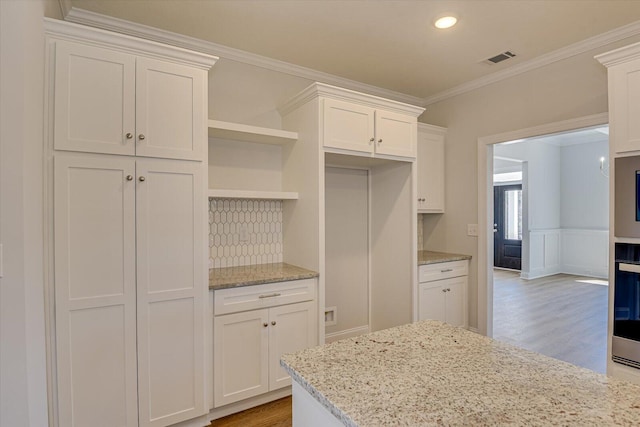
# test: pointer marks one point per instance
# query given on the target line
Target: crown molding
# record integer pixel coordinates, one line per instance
(620, 55)
(316, 90)
(578, 48)
(74, 32)
(431, 129)
(85, 17)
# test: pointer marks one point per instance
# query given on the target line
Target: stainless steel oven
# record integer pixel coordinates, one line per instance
(626, 305)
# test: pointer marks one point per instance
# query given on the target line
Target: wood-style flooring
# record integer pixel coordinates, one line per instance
(272, 414)
(560, 316)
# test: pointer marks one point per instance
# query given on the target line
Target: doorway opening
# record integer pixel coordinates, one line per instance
(547, 269)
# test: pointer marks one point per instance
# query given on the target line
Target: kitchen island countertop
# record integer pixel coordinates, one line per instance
(431, 257)
(248, 275)
(431, 373)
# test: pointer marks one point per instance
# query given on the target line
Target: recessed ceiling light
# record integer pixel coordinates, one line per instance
(446, 22)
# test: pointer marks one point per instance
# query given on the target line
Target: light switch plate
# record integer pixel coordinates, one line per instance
(472, 229)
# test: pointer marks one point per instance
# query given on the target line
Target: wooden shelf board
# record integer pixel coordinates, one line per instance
(248, 194)
(248, 133)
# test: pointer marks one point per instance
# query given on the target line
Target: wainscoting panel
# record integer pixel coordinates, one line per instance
(544, 250)
(571, 251)
(585, 252)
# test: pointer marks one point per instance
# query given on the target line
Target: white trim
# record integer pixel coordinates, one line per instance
(485, 193)
(316, 90)
(347, 333)
(98, 37)
(432, 129)
(93, 19)
(578, 48)
(81, 16)
(619, 56)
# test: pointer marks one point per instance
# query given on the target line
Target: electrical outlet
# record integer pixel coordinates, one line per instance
(472, 229)
(330, 316)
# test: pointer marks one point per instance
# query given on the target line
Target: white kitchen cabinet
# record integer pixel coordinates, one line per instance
(624, 100)
(430, 163)
(442, 292)
(108, 101)
(128, 227)
(248, 341)
(360, 128)
(128, 258)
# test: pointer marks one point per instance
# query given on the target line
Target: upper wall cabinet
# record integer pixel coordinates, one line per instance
(107, 101)
(430, 164)
(363, 125)
(624, 97)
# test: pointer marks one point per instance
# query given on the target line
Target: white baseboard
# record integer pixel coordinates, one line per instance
(579, 270)
(537, 274)
(347, 333)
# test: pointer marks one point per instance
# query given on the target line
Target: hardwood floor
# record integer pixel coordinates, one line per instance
(561, 316)
(272, 414)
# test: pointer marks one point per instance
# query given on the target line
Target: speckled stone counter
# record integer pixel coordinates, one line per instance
(247, 275)
(430, 257)
(429, 373)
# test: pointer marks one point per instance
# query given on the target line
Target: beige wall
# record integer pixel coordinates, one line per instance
(567, 89)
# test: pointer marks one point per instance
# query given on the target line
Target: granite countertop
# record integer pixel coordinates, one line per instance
(247, 275)
(430, 257)
(430, 373)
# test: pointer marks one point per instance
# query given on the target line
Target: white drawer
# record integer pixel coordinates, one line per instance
(253, 297)
(442, 270)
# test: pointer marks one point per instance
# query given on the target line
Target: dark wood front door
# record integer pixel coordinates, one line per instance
(507, 228)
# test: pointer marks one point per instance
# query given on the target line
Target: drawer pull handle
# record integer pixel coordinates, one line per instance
(446, 270)
(270, 295)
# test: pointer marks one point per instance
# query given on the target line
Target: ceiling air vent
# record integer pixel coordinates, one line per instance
(500, 57)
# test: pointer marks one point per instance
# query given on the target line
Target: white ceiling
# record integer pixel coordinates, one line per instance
(388, 44)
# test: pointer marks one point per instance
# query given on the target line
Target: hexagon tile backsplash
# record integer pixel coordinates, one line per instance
(244, 232)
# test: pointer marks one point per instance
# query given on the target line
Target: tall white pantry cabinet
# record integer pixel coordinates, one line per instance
(126, 165)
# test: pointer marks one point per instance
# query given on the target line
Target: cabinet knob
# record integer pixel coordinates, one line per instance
(265, 324)
(141, 137)
(444, 290)
(380, 141)
(372, 139)
(273, 323)
(129, 135)
(129, 177)
(142, 179)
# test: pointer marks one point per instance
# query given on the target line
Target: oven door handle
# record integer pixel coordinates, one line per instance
(631, 268)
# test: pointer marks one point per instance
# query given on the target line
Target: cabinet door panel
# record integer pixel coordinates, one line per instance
(348, 126)
(456, 300)
(240, 354)
(624, 86)
(170, 105)
(171, 290)
(395, 134)
(95, 290)
(431, 301)
(94, 99)
(294, 329)
(430, 172)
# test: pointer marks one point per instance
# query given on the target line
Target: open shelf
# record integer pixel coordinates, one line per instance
(248, 194)
(248, 133)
